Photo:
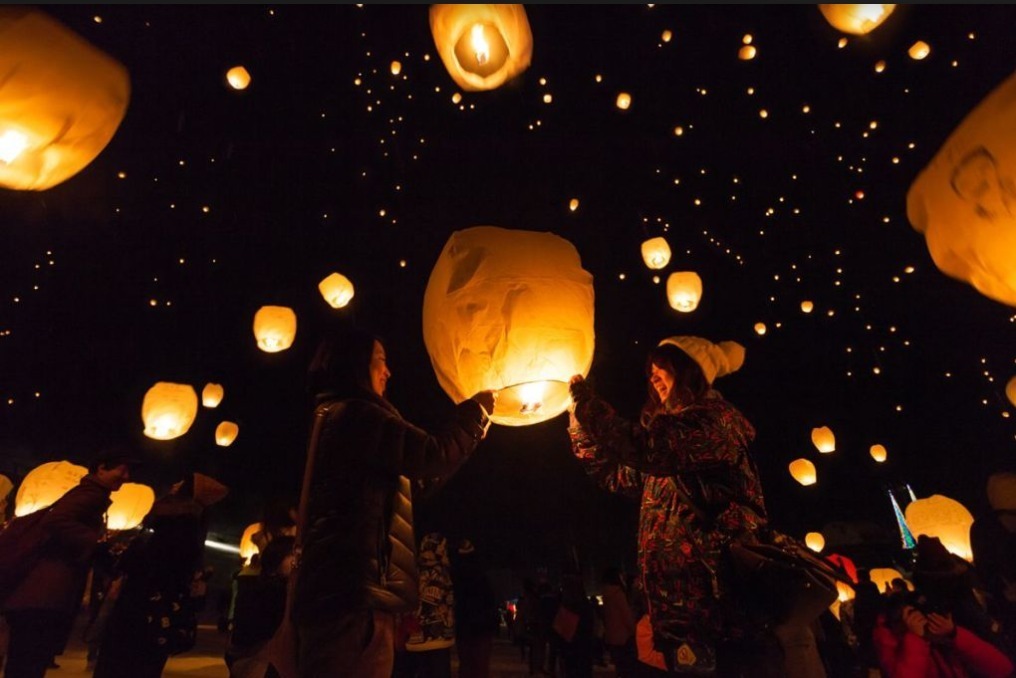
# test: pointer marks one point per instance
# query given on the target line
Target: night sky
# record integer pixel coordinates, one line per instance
(787, 183)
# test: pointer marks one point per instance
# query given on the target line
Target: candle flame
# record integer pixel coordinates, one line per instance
(480, 47)
(532, 396)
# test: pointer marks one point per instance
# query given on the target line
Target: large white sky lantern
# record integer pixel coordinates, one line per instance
(945, 518)
(131, 503)
(803, 471)
(823, 439)
(482, 46)
(337, 290)
(856, 19)
(964, 201)
(46, 483)
(274, 328)
(684, 291)
(656, 253)
(168, 410)
(61, 101)
(511, 311)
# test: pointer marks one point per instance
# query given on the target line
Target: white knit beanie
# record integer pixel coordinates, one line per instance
(716, 360)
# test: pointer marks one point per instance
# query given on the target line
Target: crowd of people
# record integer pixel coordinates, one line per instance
(344, 584)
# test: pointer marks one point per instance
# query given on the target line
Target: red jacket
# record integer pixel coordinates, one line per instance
(911, 656)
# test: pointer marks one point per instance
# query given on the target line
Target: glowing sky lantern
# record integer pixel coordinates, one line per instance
(247, 546)
(396, 67)
(823, 439)
(656, 253)
(878, 453)
(131, 503)
(807, 307)
(5, 487)
(511, 311)
(573, 204)
(482, 46)
(815, 541)
(803, 471)
(882, 577)
(45, 484)
(684, 291)
(919, 50)
(623, 101)
(856, 19)
(337, 290)
(746, 53)
(168, 410)
(212, 394)
(1010, 391)
(61, 102)
(238, 77)
(760, 329)
(225, 433)
(945, 518)
(274, 328)
(964, 201)
(844, 592)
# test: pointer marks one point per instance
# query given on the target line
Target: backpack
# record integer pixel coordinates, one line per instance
(21, 545)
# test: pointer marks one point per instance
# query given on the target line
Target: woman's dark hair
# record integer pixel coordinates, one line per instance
(341, 363)
(689, 381)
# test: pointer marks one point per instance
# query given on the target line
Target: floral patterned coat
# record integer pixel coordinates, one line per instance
(703, 447)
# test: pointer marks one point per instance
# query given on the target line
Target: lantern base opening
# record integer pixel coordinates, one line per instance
(531, 402)
(481, 49)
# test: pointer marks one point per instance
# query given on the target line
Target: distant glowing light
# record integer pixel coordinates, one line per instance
(919, 50)
(238, 77)
(396, 67)
(623, 101)
(747, 53)
(666, 36)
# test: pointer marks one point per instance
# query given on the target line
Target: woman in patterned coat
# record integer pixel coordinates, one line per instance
(690, 444)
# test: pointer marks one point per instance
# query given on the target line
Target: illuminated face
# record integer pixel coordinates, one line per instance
(114, 477)
(379, 373)
(662, 380)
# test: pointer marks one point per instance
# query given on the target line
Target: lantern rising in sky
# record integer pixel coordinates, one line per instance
(856, 19)
(45, 484)
(823, 439)
(878, 453)
(212, 394)
(945, 518)
(337, 290)
(803, 471)
(168, 410)
(238, 77)
(131, 503)
(1010, 391)
(919, 50)
(482, 46)
(656, 253)
(510, 311)
(61, 102)
(274, 328)
(684, 291)
(815, 541)
(225, 433)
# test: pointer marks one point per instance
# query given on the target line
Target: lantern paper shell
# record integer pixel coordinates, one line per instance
(482, 46)
(274, 328)
(212, 394)
(169, 410)
(878, 453)
(945, 518)
(807, 307)
(803, 471)
(815, 541)
(760, 329)
(856, 19)
(238, 77)
(823, 439)
(511, 311)
(1010, 391)
(247, 546)
(964, 201)
(656, 253)
(919, 50)
(131, 503)
(337, 290)
(5, 487)
(45, 484)
(61, 102)
(225, 433)
(684, 291)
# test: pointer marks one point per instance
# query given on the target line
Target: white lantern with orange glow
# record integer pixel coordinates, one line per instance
(510, 311)
(656, 253)
(61, 102)
(803, 471)
(45, 484)
(878, 453)
(823, 439)
(131, 503)
(945, 518)
(238, 77)
(919, 50)
(856, 19)
(225, 433)
(760, 329)
(1010, 391)
(684, 291)
(274, 328)
(168, 410)
(337, 290)
(247, 546)
(815, 541)
(807, 306)
(212, 394)
(844, 592)
(964, 201)
(482, 46)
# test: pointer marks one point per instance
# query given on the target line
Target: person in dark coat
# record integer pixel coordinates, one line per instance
(42, 607)
(357, 567)
(476, 612)
(158, 569)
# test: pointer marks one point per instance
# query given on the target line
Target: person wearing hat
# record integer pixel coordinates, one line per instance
(41, 609)
(689, 449)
